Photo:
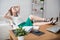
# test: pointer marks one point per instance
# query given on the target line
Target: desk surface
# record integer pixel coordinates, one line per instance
(46, 36)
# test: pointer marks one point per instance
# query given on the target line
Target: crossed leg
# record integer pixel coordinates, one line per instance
(32, 17)
(41, 23)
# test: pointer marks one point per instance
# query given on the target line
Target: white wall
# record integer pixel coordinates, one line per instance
(51, 8)
(6, 4)
(59, 5)
(25, 6)
(59, 8)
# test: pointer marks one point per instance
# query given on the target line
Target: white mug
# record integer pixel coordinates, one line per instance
(35, 28)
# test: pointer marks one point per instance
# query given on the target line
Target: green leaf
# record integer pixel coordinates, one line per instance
(20, 32)
(41, 0)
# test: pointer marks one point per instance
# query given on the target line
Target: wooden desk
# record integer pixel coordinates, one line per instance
(47, 36)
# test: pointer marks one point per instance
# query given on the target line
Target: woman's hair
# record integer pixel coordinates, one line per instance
(10, 10)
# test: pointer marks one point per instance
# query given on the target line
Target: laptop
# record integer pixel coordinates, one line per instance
(54, 29)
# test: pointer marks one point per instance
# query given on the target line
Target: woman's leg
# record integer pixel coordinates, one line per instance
(51, 21)
(41, 23)
(32, 17)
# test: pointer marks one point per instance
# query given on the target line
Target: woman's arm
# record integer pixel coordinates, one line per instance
(8, 16)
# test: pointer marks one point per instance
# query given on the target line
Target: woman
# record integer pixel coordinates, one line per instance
(13, 15)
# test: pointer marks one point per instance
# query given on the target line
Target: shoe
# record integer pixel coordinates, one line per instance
(54, 21)
(47, 20)
(57, 19)
(51, 19)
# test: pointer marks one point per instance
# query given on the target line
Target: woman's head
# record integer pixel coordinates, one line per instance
(14, 10)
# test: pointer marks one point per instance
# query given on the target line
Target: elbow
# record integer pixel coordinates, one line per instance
(5, 16)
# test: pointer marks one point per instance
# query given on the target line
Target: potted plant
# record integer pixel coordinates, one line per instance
(42, 1)
(20, 33)
(41, 9)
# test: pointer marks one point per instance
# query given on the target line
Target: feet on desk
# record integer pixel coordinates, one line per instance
(54, 21)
